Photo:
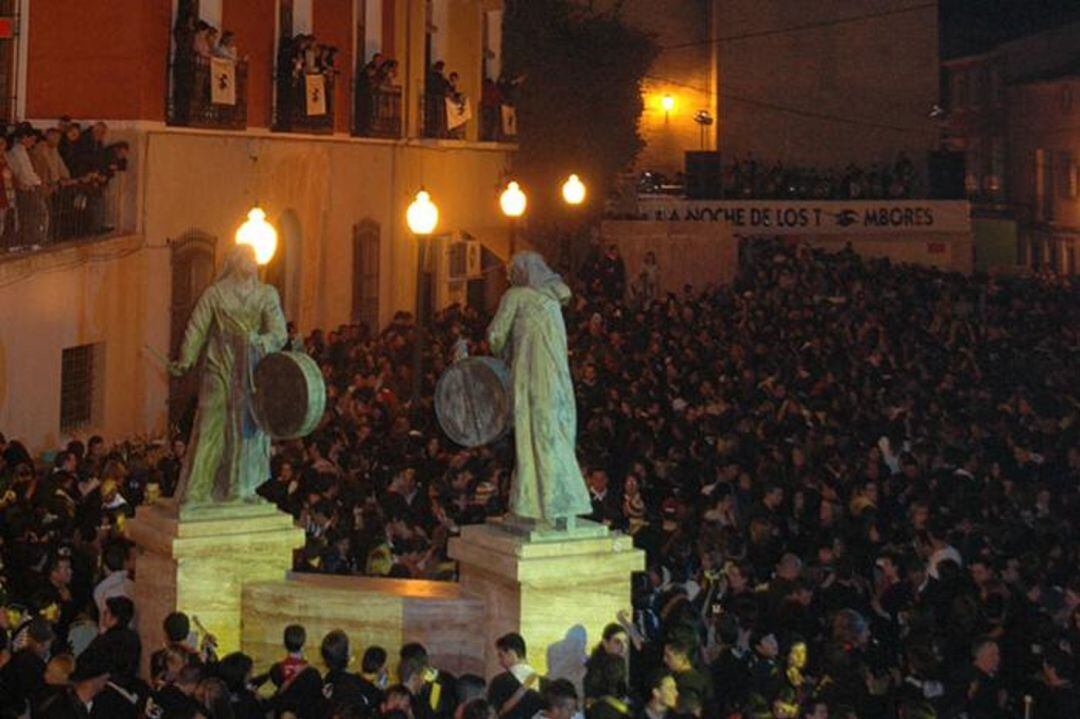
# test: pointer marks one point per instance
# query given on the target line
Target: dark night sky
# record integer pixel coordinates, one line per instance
(973, 26)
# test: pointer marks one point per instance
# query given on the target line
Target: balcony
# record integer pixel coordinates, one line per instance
(67, 214)
(378, 113)
(209, 93)
(305, 103)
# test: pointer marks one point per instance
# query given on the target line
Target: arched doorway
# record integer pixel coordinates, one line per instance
(366, 245)
(191, 259)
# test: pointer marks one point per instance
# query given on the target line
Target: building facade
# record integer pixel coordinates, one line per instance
(1009, 114)
(82, 322)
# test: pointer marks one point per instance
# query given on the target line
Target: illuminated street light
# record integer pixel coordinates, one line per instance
(260, 234)
(422, 215)
(668, 103)
(573, 190)
(513, 200)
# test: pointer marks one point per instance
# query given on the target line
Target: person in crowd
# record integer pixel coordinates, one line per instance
(340, 687)
(514, 693)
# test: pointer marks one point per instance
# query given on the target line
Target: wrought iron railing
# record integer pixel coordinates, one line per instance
(209, 94)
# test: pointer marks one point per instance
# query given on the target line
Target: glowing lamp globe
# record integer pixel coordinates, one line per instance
(422, 215)
(668, 103)
(573, 190)
(260, 234)
(513, 200)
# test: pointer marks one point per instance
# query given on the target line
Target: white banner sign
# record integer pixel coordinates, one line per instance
(315, 87)
(222, 81)
(509, 120)
(457, 113)
(815, 217)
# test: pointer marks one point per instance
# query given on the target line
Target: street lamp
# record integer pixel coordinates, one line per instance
(667, 103)
(573, 190)
(422, 216)
(258, 233)
(513, 203)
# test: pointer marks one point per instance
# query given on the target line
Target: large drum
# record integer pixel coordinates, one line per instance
(290, 395)
(473, 401)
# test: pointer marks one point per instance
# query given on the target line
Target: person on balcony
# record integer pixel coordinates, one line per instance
(204, 42)
(226, 47)
(55, 178)
(437, 89)
(31, 212)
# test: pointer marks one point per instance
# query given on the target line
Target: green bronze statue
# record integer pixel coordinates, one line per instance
(237, 321)
(548, 486)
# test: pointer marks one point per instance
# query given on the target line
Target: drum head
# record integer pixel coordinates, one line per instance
(473, 401)
(290, 395)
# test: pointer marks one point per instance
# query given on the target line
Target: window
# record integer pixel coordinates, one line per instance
(78, 385)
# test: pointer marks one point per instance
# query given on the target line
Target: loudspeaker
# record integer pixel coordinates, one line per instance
(947, 170)
(704, 175)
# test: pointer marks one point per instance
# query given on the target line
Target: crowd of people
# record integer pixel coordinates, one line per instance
(855, 482)
(54, 182)
(752, 179)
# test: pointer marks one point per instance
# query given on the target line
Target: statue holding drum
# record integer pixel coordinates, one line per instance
(249, 391)
(477, 396)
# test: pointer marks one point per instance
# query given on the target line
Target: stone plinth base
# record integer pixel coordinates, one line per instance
(200, 563)
(557, 593)
(383, 612)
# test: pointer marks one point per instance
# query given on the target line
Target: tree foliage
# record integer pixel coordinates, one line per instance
(579, 101)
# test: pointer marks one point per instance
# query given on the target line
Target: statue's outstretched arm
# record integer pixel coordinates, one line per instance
(195, 334)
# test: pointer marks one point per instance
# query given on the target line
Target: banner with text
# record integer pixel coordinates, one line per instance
(222, 81)
(315, 88)
(814, 217)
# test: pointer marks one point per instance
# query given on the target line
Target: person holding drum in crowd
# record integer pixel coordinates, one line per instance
(237, 321)
(548, 486)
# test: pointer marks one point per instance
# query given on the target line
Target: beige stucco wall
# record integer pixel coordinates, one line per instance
(108, 293)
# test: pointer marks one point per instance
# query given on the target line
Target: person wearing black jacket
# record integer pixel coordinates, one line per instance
(341, 688)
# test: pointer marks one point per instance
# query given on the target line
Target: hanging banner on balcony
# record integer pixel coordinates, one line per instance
(315, 87)
(222, 81)
(457, 113)
(509, 120)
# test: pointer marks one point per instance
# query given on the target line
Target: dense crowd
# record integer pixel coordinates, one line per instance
(753, 179)
(856, 484)
(54, 182)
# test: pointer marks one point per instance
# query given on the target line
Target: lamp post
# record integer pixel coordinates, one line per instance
(513, 203)
(667, 103)
(573, 193)
(422, 218)
(260, 234)
(573, 190)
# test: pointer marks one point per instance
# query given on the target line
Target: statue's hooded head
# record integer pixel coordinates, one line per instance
(528, 269)
(240, 263)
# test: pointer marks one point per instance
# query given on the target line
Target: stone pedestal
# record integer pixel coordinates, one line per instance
(557, 590)
(198, 563)
(372, 611)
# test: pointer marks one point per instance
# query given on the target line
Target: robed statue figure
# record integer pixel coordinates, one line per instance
(548, 486)
(237, 321)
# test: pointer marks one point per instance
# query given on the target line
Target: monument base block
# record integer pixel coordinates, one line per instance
(558, 593)
(199, 563)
